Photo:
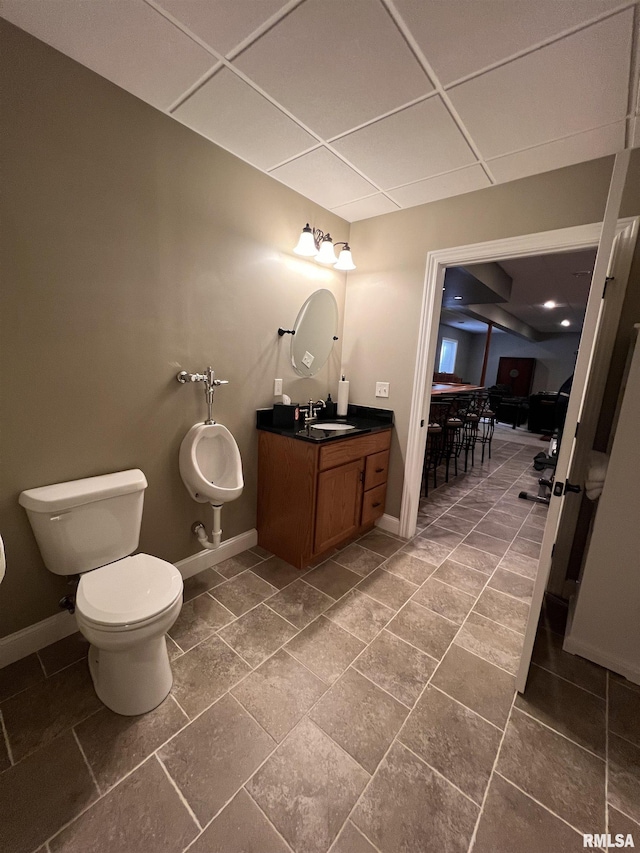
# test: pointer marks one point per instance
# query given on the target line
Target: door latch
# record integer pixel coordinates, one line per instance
(562, 488)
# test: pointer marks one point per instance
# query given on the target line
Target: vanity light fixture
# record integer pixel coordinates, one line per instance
(549, 304)
(314, 243)
(565, 323)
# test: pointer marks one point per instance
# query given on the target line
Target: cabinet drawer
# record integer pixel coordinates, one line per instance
(341, 452)
(376, 469)
(373, 504)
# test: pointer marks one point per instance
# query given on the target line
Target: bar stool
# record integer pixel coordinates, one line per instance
(453, 436)
(487, 422)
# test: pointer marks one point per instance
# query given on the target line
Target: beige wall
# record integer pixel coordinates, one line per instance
(384, 295)
(133, 248)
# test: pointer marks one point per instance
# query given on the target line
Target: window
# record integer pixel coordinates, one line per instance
(448, 351)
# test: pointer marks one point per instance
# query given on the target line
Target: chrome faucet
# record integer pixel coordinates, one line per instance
(311, 411)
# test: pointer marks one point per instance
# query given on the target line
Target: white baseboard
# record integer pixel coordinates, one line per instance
(41, 634)
(389, 523)
(628, 669)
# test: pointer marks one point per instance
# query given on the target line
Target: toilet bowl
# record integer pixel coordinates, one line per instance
(210, 464)
(124, 605)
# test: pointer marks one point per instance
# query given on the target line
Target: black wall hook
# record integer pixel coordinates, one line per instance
(282, 332)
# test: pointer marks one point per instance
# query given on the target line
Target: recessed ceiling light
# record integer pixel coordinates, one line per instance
(457, 297)
(565, 323)
(549, 304)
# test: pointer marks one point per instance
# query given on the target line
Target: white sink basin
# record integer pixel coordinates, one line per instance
(321, 425)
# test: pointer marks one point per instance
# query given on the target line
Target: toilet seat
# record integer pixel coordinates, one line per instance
(129, 592)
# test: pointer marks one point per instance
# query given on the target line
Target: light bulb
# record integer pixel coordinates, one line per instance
(549, 304)
(345, 261)
(326, 255)
(306, 244)
(565, 323)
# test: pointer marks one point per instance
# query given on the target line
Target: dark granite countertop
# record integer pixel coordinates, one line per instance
(362, 419)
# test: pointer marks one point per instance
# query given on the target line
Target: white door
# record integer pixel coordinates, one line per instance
(581, 376)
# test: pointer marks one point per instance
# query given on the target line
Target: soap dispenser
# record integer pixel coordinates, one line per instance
(329, 411)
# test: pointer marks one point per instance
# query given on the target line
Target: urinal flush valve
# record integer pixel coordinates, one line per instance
(210, 383)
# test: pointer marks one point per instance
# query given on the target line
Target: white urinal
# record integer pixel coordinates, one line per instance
(210, 464)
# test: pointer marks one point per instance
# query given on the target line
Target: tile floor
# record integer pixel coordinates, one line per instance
(365, 705)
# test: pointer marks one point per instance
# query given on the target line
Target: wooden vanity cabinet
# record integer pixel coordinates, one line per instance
(314, 497)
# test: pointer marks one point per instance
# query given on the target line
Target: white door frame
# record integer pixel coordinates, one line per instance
(541, 243)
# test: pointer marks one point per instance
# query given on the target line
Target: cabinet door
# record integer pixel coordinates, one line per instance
(338, 505)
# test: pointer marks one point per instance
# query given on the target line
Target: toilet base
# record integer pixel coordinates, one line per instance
(132, 681)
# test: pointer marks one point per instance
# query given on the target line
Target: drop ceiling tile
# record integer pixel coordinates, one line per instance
(566, 87)
(335, 65)
(562, 152)
(224, 23)
(415, 143)
(365, 208)
(324, 178)
(442, 186)
(493, 30)
(125, 41)
(232, 114)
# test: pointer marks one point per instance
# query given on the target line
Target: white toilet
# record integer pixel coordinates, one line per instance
(124, 604)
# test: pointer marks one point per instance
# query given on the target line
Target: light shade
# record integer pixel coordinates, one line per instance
(345, 261)
(326, 254)
(306, 244)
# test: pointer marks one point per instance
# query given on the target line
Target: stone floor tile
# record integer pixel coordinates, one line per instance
(257, 634)
(512, 822)
(260, 551)
(359, 717)
(430, 552)
(568, 709)
(624, 712)
(360, 615)
(481, 561)
(241, 827)
(277, 572)
(143, 806)
(19, 675)
(465, 512)
(512, 584)
(199, 618)
(387, 588)
(453, 740)
(409, 808)
(203, 674)
(243, 592)
(357, 559)
(548, 653)
(42, 793)
(64, 652)
(461, 577)
(300, 603)
(202, 582)
(486, 544)
(409, 568)
(442, 535)
(38, 715)
(332, 579)
(235, 565)
(279, 693)
(525, 547)
(496, 529)
(532, 531)
(307, 788)
(325, 649)
(424, 629)
(562, 776)
(479, 685)
(444, 599)
(215, 755)
(381, 543)
(457, 524)
(520, 565)
(351, 840)
(620, 824)
(494, 643)
(504, 609)
(397, 667)
(624, 776)
(114, 744)
(504, 519)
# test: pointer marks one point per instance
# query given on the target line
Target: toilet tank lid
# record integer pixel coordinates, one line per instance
(61, 496)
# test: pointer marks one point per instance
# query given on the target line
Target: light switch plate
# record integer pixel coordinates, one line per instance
(382, 389)
(277, 387)
(308, 359)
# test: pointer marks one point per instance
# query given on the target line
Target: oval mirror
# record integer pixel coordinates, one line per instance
(315, 329)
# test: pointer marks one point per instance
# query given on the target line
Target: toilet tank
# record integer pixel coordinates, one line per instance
(83, 524)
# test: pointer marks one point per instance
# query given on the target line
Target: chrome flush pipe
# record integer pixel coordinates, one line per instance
(210, 382)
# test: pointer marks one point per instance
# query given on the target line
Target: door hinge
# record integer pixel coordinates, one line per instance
(422, 422)
(606, 281)
(553, 548)
(575, 435)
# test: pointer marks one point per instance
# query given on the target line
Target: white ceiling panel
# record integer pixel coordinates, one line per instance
(235, 116)
(222, 24)
(424, 139)
(365, 208)
(487, 31)
(324, 178)
(561, 152)
(442, 186)
(336, 65)
(563, 88)
(125, 41)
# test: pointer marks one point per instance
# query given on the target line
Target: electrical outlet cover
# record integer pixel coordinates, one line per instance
(277, 387)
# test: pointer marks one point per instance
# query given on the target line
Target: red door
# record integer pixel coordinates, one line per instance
(518, 373)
